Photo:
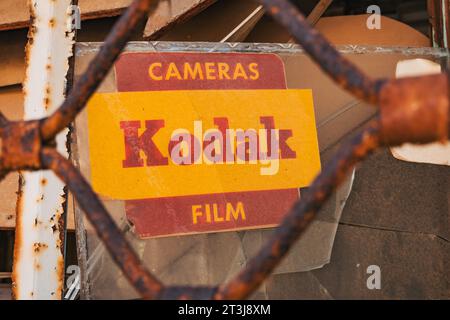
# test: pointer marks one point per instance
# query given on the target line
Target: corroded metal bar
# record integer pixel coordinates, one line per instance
(122, 253)
(415, 110)
(301, 215)
(342, 71)
(85, 87)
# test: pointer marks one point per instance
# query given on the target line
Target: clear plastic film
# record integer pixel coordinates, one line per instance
(209, 258)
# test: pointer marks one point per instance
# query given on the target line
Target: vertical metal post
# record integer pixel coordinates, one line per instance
(38, 267)
(438, 11)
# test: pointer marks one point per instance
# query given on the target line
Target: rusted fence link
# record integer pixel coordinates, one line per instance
(415, 110)
(411, 110)
(97, 70)
(342, 71)
(147, 285)
(302, 214)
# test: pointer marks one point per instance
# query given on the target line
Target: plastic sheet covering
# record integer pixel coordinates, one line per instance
(211, 258)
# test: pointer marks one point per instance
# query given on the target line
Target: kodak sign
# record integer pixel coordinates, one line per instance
(202, 142)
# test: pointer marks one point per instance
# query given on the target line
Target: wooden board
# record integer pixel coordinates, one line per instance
(5, 292)
(11, 101)
(12, 57)
(231, 20)
(15, 14)
(169, 13)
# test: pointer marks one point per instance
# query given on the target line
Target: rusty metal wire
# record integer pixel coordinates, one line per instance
(302, 214)
(342, 71)
(97, 70)
(411, 110)
(106, 228)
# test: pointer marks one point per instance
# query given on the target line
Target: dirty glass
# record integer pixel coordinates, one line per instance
(212, 258)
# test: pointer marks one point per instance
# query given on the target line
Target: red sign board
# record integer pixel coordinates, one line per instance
(204, 71)
(194, 71)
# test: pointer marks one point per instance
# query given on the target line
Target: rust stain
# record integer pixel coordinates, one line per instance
(32, 30)
(60, 274)
(61, 226)
(37, 247)
(18, 240)
(47, 103)
(58, 244)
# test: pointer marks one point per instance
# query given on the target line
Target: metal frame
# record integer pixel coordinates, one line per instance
(412, 110)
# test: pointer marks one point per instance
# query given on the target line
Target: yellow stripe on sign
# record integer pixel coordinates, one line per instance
(176, 143)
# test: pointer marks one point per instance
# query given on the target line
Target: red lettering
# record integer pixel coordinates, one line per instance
(135, 143)
(285, 151)
(227, 151)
